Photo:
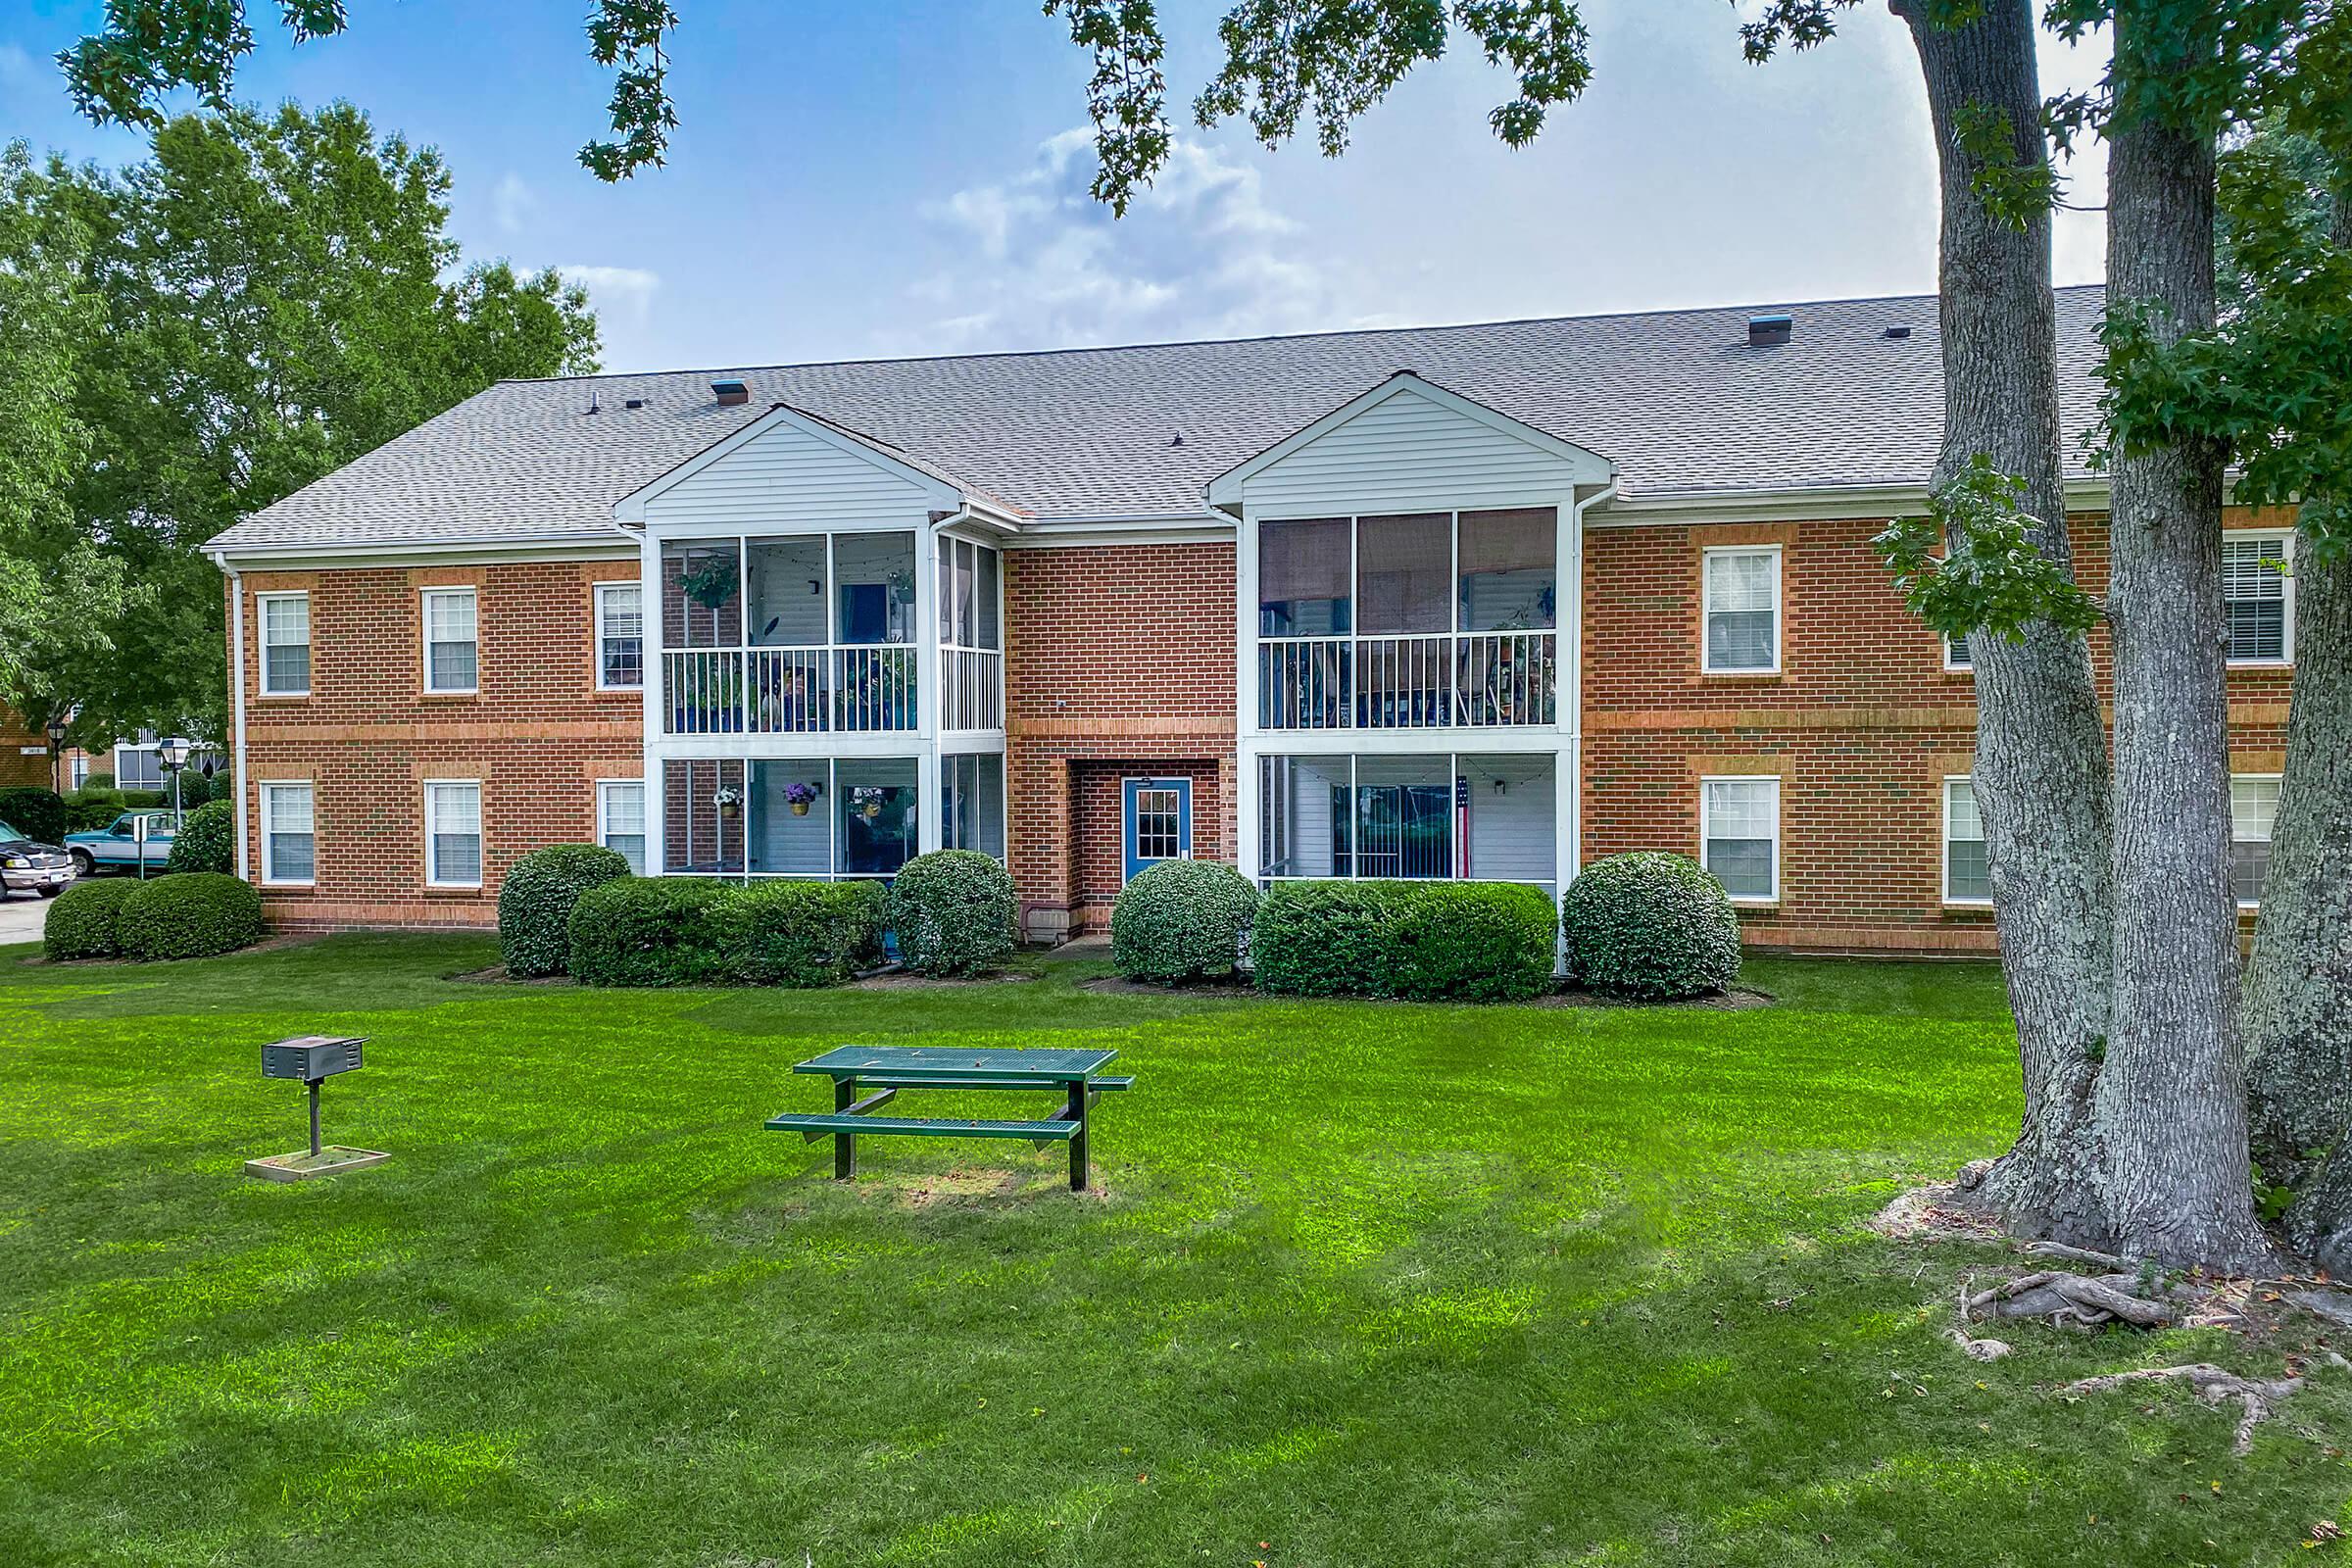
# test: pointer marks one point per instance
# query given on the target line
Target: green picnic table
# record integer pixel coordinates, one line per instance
(884, 1071)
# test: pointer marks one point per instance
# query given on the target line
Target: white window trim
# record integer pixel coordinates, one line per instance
(2251, 905)
(260, 617)
(604, 786)
(596, 597)
(1779, 596)
(270, 876)
(2286, 636)
(1945, 844)
(1950, 666)
(481, 830)
(1746, 901)
(425, 640)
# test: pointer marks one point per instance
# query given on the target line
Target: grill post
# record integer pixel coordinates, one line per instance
(314, 1083)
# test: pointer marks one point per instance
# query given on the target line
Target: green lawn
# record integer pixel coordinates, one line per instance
(1367, 1284)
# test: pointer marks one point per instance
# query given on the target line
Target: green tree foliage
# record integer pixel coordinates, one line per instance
(259, 301)
(206, 840)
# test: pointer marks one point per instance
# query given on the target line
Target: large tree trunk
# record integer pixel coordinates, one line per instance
(2297, 1021)
(2041, 751)
(2171, 1098)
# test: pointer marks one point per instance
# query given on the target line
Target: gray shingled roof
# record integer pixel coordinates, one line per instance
(1678, 399)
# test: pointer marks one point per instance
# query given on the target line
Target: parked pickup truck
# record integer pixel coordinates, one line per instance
(43, 868)
(116, 846)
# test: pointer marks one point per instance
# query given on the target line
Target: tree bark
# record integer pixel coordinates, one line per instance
(2297, 1020)
(2041, 771)
(2170, 1099)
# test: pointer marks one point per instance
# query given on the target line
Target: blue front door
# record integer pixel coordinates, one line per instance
(1158, 821)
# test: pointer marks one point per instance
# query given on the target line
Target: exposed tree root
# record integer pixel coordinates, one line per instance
(2071, 1301)
(2257, 1398)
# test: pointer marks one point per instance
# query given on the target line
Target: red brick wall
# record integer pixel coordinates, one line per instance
(1861, 726)
(17, 765)
(537, 734)
(1119, 662)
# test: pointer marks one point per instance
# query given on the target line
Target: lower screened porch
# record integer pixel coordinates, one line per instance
(1489, 816)
(826, 817)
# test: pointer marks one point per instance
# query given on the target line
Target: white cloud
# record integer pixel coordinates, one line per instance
(513, 203)
(1038, 261)
(622, 295)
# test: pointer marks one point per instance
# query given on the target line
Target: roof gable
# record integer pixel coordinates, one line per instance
(783, 460)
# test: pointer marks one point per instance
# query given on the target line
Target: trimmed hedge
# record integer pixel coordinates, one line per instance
(194, 916)
(1650, 925)
(94, 806)
(953, 913)
(206, 840)
(1181, 921)
(85, 920)
(534, 902)
(678, 931)
(37, 813)
(646, 931)
(798, 934)
(1414, 941)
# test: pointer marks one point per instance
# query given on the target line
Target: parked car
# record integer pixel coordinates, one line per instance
(42, 867)
(116, 846)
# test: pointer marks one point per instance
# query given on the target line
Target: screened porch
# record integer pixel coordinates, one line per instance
(1433, 815)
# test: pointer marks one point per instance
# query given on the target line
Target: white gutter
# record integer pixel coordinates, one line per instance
(236, 687)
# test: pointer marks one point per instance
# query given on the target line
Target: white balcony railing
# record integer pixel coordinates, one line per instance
(1425, 681)
(974, 699)
(858, 687)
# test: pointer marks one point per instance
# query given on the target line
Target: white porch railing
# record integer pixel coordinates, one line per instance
(974, 698)
(788, 691)
(1433, 681)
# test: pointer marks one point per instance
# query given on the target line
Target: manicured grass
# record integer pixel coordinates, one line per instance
(1369, 1283)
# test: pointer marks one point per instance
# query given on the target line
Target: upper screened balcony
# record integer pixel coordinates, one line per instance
(819, 633)
(1410, 620)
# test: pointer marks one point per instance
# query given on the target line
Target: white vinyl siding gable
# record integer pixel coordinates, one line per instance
(786, 479)
(1408, 453)
(285, 644)
(453, 833)
(289, 841)
(1740, 621)
(2258, 598)
(1739, 836)
(451, 640)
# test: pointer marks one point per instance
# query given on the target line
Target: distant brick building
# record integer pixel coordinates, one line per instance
(1477, 602)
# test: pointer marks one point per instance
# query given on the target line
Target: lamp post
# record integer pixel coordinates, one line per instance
(171, 752)
(56, 753)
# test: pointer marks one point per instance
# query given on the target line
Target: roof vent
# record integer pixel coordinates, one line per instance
(632, 403)
(1768, 331)
(1897, 333)
(1179, 440)
(730, 393)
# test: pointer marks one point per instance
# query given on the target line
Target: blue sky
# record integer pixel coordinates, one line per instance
(845, 187)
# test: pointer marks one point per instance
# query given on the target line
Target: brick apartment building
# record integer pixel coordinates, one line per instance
(1483, 602)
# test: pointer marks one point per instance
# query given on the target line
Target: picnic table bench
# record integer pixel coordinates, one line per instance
(883, 1070)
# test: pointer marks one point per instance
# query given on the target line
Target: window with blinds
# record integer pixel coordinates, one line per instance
(451, 660)
(1967, 875)
(1739, 834)
(1742, 611)
(2253, 811)
(2255, 589)
(453, 834)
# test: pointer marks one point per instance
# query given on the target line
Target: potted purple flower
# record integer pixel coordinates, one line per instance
(800, 797)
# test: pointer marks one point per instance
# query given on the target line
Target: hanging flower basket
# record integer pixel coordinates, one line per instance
(730, 803)
(866, 801)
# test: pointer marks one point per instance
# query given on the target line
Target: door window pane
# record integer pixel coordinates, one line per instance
(1402, 568)
(1510, 580)
(1967, 874)
(453, 819)
(2253, 812)
(878, 826)
(1741, 819)
(1742, 611)
(1302, 572)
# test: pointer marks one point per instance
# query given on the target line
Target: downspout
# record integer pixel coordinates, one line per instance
(236, 687)
(1576, 738)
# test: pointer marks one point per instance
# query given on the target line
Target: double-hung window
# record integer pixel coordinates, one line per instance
(620, 819)
(451, 661)
(1740, 835)
(1967, 874)
(289, 847)
(2258, 603)
(620, 636)
(285, 644)
(2253, 810)
(1743, 611)
(453, 833)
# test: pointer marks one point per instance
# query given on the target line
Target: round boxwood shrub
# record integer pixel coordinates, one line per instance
(798, 934)
(1181, 921)
(85, 920)
(1415, 941)
(534, 903)
(1650, 925)
(953, 910)
(649, 931)
(206, 840)
(192, 917)
(37, 813)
